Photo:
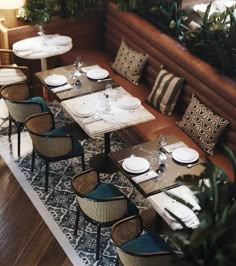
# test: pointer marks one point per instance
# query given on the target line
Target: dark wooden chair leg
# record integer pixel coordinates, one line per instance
(98, 242)
(46, 176)
(83, 162)
(18, 137)
(9, 128)
(76, 222)
(33, 161)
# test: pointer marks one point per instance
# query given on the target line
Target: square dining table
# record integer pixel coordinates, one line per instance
(86, 85)
(155, 182)
(105, 122)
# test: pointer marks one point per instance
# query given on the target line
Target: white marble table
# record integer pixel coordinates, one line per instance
(42, 47)
(116, 118)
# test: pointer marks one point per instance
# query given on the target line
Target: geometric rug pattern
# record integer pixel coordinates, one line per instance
(60, 198)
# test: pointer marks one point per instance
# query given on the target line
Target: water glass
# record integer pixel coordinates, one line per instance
(104, 98)
(78, 63)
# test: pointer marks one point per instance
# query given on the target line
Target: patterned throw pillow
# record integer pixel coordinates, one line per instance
(129, 63)
(165, 92)
(202, 125)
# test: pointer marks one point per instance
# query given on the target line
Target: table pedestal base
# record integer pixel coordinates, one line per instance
(102, 163)
(152, 221)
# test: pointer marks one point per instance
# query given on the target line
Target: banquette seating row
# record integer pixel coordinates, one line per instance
(99, 42)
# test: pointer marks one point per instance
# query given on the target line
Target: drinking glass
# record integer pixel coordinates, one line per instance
(78, 63)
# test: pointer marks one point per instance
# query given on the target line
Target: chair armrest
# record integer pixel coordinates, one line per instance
(85, 182)
(127, 229)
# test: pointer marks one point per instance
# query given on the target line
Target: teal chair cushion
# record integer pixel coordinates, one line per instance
(147, 243)
(77, 147)
(39, 100)
(107, 191)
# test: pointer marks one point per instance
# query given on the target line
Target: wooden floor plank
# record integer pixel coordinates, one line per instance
(24, 237)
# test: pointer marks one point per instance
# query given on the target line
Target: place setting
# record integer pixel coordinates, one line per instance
(185, 156)
(87, 112)
(58, 83)
(139, 167)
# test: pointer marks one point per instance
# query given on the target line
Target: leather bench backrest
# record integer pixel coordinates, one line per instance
(215, 90)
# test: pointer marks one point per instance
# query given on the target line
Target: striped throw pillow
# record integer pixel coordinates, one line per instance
(165, 92)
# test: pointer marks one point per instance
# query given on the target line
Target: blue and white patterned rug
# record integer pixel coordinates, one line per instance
(60, 199)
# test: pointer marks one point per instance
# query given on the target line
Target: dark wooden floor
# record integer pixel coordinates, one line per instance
(24, 237)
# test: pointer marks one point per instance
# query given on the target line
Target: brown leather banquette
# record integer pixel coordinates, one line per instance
(215, 90)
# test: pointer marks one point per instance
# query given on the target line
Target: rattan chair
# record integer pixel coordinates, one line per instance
(9, 71)
(20, 105)
(101, 204)
(138, 248)
(50, 143)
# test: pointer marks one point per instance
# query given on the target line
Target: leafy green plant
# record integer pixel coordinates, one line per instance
(41, 11)
(37, 12)
(215, 40)
(213, 242)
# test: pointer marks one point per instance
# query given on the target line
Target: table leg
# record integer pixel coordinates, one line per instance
(102, 162)
(152, 221)
(44, 64)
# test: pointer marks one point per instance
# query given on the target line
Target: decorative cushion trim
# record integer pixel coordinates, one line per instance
(202, 125)
(129, 63)
(165, 92)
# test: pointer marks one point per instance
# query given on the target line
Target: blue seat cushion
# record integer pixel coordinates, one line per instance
(77, 147)
(148, 242)
(107, 191)
(39, 100)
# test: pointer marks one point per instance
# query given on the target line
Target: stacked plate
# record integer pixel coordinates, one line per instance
(55, 80)
(185, 155)
(135, 165)
(129, 103)
(185, 214)
(61, 40)
(97, 73)
(84, 109)
(23, 46)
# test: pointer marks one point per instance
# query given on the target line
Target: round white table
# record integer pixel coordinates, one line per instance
(42, 47)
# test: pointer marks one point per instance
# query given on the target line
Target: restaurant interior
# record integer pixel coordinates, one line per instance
(118, 132)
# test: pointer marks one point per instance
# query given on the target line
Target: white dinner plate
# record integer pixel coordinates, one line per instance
(55, 80)
(181, 211)
(61, 40)
(129, 103)
(135, 165)
(84, 109)
(97, 73)
(185, 155)
(23, 46)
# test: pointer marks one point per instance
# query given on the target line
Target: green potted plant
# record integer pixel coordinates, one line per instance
(213, 242)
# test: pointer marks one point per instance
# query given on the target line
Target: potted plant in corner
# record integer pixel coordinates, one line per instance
(38, 12)
(213, 242)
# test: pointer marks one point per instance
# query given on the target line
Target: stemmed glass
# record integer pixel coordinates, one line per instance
(78, 64)
(161, 157)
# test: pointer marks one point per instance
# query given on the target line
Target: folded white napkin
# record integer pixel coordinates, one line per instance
(62, 88)
(144, 177)
(171, 147)
(86, 69)
(92, 119)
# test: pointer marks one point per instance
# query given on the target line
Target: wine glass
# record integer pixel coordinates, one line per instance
(161, 153)
(78, 63)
